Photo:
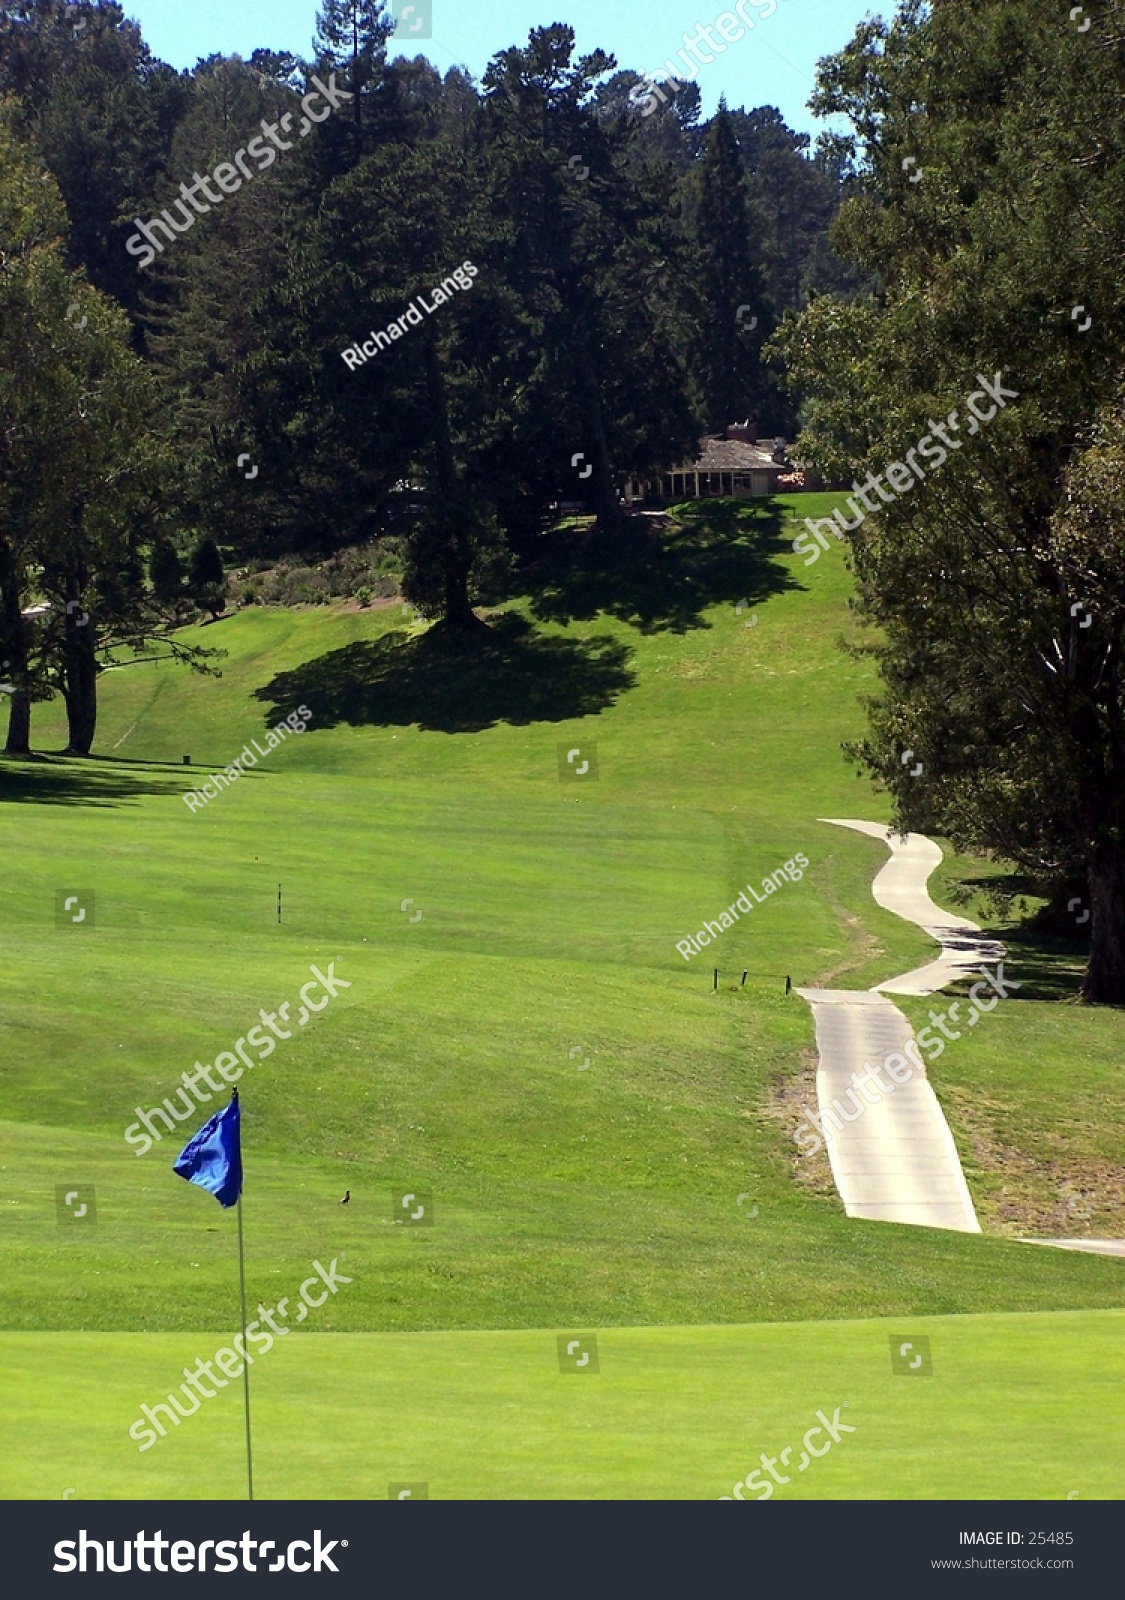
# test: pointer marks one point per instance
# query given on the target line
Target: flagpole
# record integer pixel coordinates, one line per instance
(246, 1361)
(213, 1160)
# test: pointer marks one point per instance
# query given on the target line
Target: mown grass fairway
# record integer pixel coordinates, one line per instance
(1019, 1407)
(596, 1197)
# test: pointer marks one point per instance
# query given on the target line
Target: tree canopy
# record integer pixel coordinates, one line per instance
(988, 210)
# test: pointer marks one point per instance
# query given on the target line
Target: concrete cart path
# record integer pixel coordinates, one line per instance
(1096, 1247)
(893, 1157)
(900, 887)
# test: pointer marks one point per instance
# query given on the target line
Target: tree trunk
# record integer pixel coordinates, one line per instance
(80, 685)
(13, 658)
(458, 609)
(590, 401)
(457, 555)
(19, 725)
(1104, 983)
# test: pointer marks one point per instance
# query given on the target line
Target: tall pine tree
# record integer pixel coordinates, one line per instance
(733, 324)
(351, 40)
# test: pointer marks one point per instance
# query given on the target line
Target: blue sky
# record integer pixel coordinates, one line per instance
(773, 65)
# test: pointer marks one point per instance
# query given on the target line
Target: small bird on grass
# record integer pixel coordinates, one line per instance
(347, 1197)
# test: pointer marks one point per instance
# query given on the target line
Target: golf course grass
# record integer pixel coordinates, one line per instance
(597, 1126)
(1015, 1407)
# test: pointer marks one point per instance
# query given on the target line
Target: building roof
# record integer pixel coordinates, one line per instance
(734, 455)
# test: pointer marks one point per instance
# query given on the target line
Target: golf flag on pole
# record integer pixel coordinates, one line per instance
(213, 1158)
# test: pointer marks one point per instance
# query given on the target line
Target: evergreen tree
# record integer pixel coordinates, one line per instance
(203, 311)
(85, 470)
(733, 324)
(166, 574)
(207, 577)
(337, 439)
(793, 200)
(581, 228)
(32, 221)
(351, 39)
(994, 585)
(101, 111)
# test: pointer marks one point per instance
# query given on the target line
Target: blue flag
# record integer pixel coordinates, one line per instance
(213, 1159)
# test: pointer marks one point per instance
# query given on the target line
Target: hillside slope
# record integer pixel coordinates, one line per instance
(605, 1138)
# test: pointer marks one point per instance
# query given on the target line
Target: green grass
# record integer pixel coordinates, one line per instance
(1035, 1098)
(605, 1198)
(1018, 1407)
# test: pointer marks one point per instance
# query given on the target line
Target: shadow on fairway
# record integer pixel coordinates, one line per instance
(78, 781)
(659, 579)
(1049, 966)
(456, 683)
(1048, 960)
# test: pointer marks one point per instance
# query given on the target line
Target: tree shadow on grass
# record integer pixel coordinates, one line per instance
(456, 682)
(78, 781)
(660, 578)
(1048, 960)
(1048, 965)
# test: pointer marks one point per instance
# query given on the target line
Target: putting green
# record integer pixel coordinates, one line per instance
(1020, 1407)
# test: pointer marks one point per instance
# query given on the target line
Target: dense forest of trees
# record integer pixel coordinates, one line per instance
(187, 255)
(412, 301)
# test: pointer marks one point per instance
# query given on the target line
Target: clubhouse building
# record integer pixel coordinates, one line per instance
(736, 462)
